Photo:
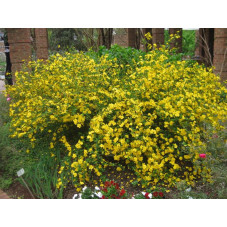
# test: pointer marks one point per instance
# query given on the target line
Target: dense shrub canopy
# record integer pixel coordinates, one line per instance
(149, 114)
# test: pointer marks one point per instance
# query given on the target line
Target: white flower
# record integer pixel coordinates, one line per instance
(99, 194)
(97, 188)
(150, 195)
(75, 196)
(188, 189)
(143, 193)
(84, 188)
(189, 197)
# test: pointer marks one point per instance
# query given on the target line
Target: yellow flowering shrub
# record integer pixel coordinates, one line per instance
(152, 120)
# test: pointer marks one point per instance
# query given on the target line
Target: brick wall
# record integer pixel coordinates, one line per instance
(41, 43)
(20, 47)
(220, 52)
(158, 36)
(132, 37)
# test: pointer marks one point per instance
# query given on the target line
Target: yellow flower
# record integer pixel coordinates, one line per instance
(51, 145)
(187, 156)
(119, 169)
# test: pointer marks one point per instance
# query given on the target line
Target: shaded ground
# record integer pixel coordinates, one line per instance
(18, 191)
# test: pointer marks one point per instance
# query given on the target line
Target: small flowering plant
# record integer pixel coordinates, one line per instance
(143, 195)
(111, 190)
(149, 195)
(158, 195)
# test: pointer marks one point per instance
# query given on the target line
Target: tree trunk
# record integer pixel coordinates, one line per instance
(105, 37)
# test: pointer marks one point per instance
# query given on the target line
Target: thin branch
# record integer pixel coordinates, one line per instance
(90, 38)
(207, 50)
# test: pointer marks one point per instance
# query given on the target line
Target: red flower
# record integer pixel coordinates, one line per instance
(112, 182)
(155, 194)
(117, 186)
(202, 155)
(105, 190)
(146, 195)
(161, 194)
(103, 197)
(107, 183)
(122, 192)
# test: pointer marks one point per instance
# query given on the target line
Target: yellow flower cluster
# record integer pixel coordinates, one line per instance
(151, 121)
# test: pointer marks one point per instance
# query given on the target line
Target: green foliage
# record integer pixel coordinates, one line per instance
(62, 39)
(126, 58)
(41, 178)
(123, 55)
(88, 194)
(188, 42)
(139, 196)
(10, 159)
(5, 183)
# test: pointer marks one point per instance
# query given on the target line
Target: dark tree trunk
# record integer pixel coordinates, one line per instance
(105, 37)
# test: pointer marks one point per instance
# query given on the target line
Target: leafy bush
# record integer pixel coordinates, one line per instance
(125, 58)
(151, 119)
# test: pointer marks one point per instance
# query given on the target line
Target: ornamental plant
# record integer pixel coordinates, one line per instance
(111, 190)
(153, 119)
